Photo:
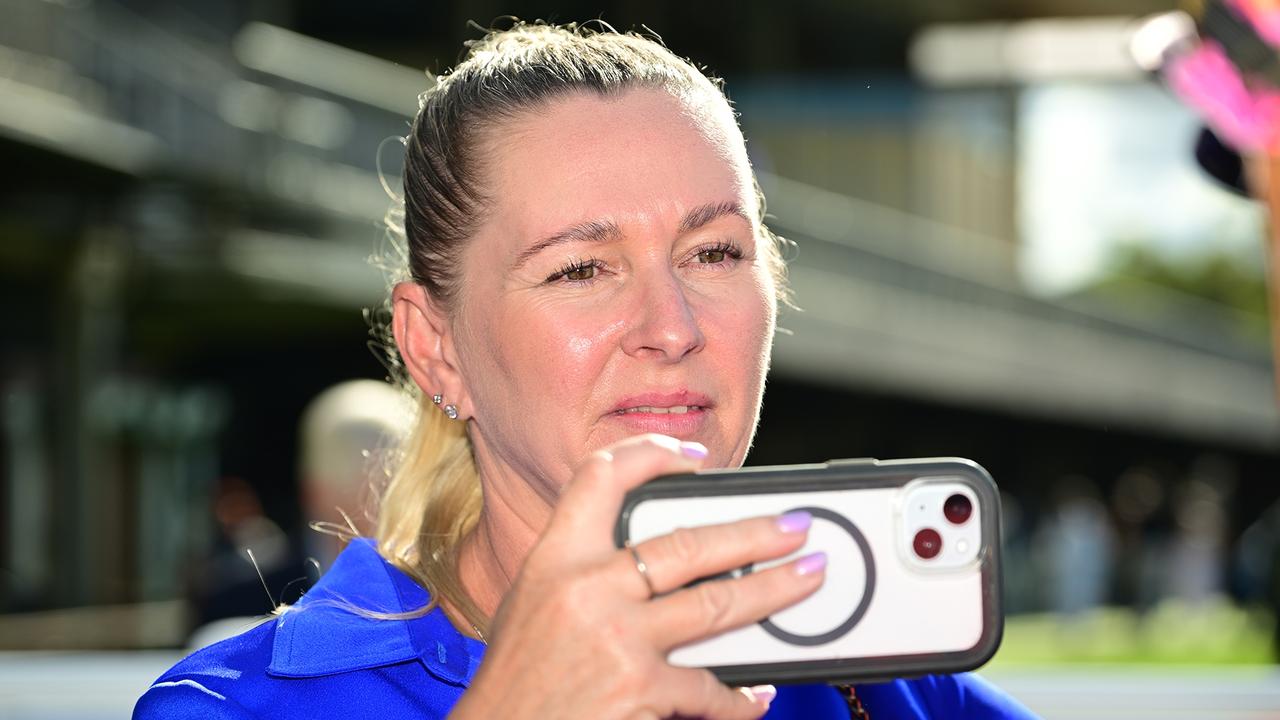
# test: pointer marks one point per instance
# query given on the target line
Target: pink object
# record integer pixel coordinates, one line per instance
(1245, 116)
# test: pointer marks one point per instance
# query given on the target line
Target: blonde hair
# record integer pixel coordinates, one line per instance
(431, 503)
(434, 496)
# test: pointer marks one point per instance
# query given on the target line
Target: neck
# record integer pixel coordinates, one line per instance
(490, 557)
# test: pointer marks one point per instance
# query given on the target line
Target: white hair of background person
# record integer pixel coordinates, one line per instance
(345, 435)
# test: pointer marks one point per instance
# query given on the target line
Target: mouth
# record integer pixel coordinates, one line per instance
(681, 414)
(679, 402)
(684, 420)
(659, 410)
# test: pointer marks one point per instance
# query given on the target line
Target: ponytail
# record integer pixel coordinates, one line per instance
(431, 503)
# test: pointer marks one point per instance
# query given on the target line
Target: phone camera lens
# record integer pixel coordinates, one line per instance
(957, 508)
(927, 543)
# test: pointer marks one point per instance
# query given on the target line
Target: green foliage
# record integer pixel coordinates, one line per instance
(1215, 290)
(1217, 277)
(1212, 633)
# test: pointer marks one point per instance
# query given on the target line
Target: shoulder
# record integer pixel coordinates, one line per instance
(184, 699)
(212, 682)
(334, 650)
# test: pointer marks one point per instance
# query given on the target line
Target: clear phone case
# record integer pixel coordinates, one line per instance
(913, 577)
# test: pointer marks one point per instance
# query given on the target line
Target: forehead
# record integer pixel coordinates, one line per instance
(643, 156)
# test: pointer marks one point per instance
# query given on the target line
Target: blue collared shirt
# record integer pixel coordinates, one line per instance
(320, 659)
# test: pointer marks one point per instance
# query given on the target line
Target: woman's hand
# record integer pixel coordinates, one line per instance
(580, 635)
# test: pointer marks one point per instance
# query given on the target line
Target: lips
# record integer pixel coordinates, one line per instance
(682, 414)
(673, 410)
(681, 402)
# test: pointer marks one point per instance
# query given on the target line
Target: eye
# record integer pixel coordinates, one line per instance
(576, 271)
(581, 272)
(717, 253)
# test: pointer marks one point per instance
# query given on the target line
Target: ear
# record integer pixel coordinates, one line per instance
(425, 339)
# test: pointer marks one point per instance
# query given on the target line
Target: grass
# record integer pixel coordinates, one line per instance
(1173, 633)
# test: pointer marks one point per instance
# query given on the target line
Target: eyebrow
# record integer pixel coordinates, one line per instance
(603, 231)
(704, 214)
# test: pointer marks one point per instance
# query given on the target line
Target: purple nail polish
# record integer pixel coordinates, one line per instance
(811, 564)
(694, 450)
(794, 522)
(763, 693)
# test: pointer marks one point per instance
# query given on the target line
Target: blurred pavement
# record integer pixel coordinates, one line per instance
(1101, 692)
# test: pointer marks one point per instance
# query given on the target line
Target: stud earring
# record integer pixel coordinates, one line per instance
(451, 411)
(437, 398)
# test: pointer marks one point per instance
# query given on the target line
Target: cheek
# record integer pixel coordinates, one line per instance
(739, 335)
(555, 349)
(743, 324)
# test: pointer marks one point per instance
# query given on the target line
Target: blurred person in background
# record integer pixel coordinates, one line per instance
(230, 588)
(1076, 541)
(1257, 567)
(589, 303)
(346, 433)
(1222, 57)
(1198, 552)
(1143, 519)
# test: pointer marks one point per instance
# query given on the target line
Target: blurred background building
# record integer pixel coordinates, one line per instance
(1004, 250)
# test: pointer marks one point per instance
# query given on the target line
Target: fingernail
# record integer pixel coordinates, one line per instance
(760, 693)
(694, 450)
(795, 521)
(811, 564)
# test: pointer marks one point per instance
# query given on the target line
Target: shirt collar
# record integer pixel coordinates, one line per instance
(325, 632)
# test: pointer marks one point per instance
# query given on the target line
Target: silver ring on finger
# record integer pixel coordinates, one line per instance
(642, 568)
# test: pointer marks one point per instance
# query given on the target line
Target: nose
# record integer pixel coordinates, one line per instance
(665, 324)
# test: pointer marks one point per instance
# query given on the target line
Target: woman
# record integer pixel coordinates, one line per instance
(591, 304)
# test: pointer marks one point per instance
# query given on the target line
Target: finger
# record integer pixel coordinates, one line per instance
(588, 508)
(718, 606)
(697, 693)
(686, 554)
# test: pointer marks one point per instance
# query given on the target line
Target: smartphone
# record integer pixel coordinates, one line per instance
(913, 575)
